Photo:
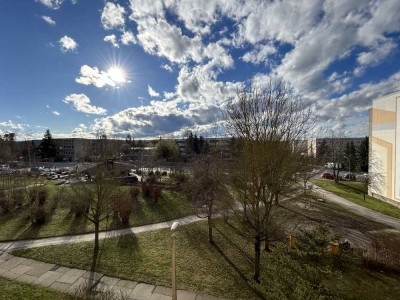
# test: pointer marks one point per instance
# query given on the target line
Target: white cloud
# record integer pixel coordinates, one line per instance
(152, 92)
(158, 118)
(89, 75)
(260, 54)
(49, 20)
(54, 4)
(167, 67)
(169, 96)
(112, 16)
(375, 55)
(67, 44)
(81, 103)
(54, 112)
(82, 131)
(199, 86)
(12, 125)
(112, 39)
(128, 38)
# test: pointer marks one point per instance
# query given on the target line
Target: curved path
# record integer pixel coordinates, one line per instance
(359, 210)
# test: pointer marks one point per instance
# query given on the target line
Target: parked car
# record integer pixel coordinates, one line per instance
(327, 175)
(349, 176)
(362, 178)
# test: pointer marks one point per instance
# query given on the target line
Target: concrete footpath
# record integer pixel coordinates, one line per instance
(41, 242)
(359, 210)
(67, 280)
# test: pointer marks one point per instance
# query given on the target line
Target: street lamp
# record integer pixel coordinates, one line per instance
(347, 160)
(174, 226)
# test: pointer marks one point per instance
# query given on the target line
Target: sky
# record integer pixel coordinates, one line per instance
(162, 67)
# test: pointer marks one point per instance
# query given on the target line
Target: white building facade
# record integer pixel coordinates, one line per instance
(384, 149)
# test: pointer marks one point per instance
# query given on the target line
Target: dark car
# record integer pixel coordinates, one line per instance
(327, 175)
(349, 176)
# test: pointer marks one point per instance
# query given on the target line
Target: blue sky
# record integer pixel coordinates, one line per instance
(158, 68)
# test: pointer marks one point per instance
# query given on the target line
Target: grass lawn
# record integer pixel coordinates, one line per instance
(13, 290)
(222, 270)
(16, 224)
(351, 191)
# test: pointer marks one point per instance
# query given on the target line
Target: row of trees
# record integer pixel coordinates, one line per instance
(338, 150)
(7, 147)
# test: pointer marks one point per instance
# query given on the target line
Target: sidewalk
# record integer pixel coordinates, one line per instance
(67, 280)
(24, 244)
(360, 210)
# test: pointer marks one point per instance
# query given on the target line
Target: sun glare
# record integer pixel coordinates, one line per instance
(117, 75)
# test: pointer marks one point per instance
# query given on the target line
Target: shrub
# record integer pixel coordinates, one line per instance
(42, 197)
(18, 197)
(155, 192)
(315, 242)
(164, 173)
(6, 203)
(124, 208)
(145, 188)
(79, 206)
(39, 215)
(150, 190)
(134, 192)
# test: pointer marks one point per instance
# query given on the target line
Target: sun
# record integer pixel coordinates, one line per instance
(117, 75)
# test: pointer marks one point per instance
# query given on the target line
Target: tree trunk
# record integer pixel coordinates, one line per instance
(276, 198)
(96, 247)
(266, 246)
(257, 258)
(210, 234)
(96, 237)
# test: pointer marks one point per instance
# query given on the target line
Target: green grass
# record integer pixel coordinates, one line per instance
(13, 290)
(16, 224)
(351, 191)
(223, 270)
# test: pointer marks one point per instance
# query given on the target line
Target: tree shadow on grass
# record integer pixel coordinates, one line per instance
(22, 222)
(238, 271)
(129, 241)
(77, 224)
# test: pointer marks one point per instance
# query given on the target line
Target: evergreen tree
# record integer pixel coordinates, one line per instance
(323, 152)
(363, 155)
(196, 144)
(189, 142)
(130, 141)
(353, 155)
(201, 145)
(48, 147)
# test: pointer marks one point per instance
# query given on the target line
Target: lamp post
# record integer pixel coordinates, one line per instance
(347, 160)
(173, 227)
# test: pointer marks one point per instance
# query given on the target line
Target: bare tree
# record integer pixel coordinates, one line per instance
(207, 188)
(98, 197)
(267, 122)
(307, 171)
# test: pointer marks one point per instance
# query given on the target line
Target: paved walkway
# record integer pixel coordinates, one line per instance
(24, 244)
(360, 210)
(67, 280)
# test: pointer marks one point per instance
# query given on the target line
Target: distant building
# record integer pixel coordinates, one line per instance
(384, 149)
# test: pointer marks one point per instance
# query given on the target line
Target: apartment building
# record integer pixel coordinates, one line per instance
(384, 152)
